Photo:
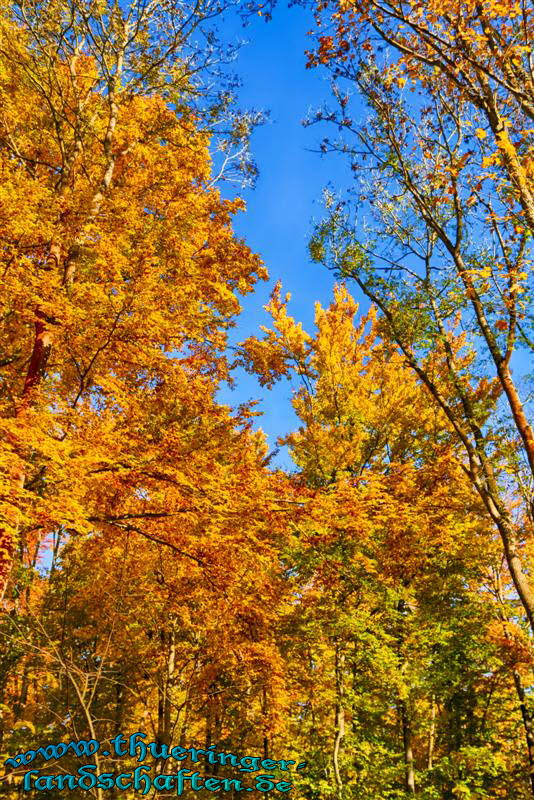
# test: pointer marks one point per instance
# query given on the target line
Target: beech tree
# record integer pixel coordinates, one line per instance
(120, 270)
(396, 639)
(121, 279)
(167, 628)
(440, 235)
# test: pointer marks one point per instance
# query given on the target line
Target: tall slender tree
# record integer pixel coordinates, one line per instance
(443, 167)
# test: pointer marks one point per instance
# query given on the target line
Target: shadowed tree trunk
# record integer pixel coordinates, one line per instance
(407, 747)
(339, 716)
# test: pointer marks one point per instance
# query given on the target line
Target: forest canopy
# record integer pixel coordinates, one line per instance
(368, 612)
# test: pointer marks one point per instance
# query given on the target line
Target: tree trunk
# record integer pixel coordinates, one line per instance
(407, 746)
(164, 734)
(431, 734)
(527, 725)
(526, 716)
(265, 709)
(339, 720)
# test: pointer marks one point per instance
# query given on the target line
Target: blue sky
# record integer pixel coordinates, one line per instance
(287, 197)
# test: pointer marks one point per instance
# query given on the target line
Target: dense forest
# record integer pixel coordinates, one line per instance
(369, 612)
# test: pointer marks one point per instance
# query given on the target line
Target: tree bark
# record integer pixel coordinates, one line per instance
(339, 716)
(407, 748)
(431, 733)
(527, 725)
(164, 734)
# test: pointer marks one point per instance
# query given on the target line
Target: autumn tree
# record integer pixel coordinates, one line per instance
(442, 160)
(398, 635)
(168, 629)
(120, 270)
(121, 279)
